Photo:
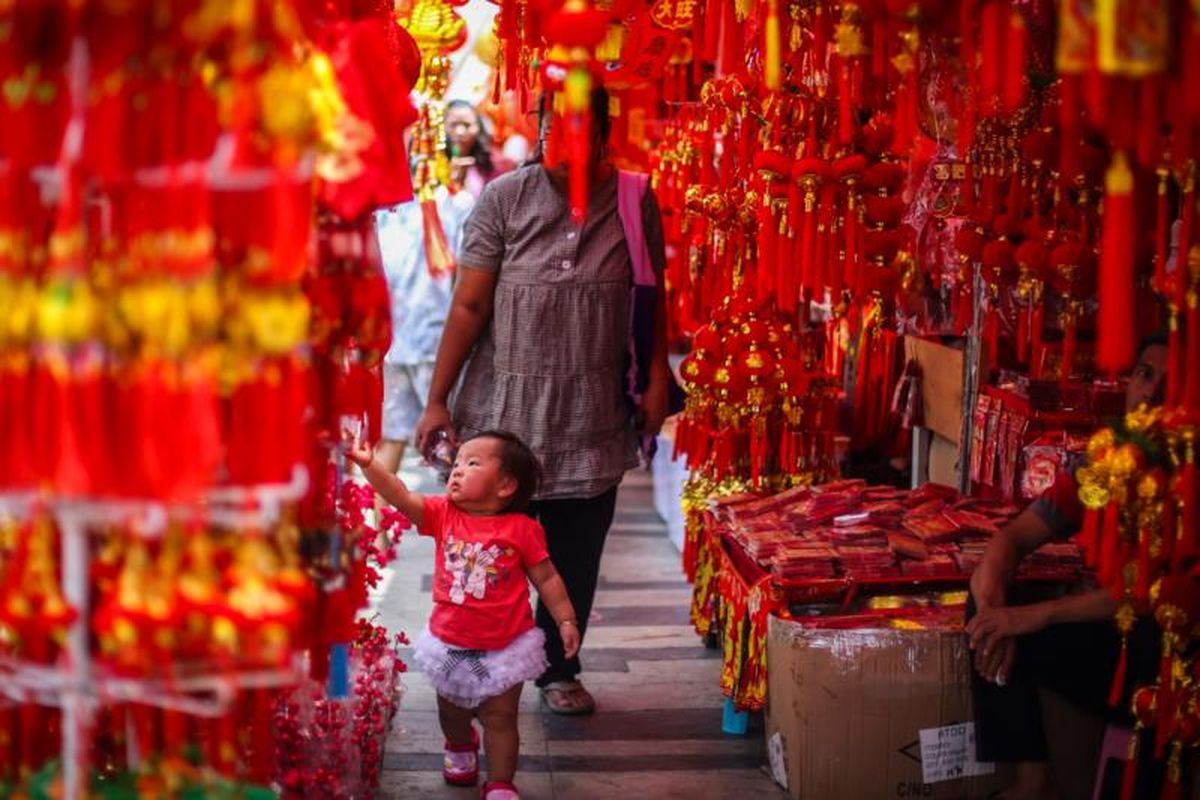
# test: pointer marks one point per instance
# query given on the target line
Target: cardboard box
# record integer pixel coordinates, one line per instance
(941, 384)
(877, 714)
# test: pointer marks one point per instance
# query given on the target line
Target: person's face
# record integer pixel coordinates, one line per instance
(1147, 382)
(477, 482)
(462, 126)
(597, 145)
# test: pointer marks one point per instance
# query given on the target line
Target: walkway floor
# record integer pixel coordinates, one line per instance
(657, 732)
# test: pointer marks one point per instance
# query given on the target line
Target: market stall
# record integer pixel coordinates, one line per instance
(193, 313)
(185, 197)
(1015, 180)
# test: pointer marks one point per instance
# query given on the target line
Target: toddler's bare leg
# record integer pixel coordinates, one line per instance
(455, 720)
(500, 738)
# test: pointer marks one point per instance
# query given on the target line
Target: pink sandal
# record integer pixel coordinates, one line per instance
(498, 790)
(460, 763)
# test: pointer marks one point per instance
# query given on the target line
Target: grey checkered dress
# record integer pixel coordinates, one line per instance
(549, 365)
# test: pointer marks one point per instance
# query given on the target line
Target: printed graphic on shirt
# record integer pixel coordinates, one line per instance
(471, 567)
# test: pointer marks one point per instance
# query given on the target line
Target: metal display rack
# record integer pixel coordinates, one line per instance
(76, 684)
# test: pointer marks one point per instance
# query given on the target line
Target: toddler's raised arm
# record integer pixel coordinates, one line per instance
(388, 485)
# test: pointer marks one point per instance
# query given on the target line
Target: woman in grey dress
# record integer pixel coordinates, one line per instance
(538, 332)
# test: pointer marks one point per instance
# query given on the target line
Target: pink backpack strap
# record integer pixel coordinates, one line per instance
(631, 189)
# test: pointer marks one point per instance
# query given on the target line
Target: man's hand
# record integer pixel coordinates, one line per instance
(996, 666)
(992, 633)
(435, 418)
(569, 631)
(654, 406)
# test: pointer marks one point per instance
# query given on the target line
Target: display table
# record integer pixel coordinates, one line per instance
(846, 555)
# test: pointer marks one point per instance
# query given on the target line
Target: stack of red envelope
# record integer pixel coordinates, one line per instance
(867, 562)
(804, 559)
(934, 566)
(762, 545)
(932, 529)
(860, 535)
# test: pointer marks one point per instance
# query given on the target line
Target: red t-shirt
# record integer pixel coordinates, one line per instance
(480, 591)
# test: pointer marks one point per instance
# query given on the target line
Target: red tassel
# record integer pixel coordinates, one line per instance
(1070, 138)
(1118, 684)
(765, 247)
(823, 257)
(772, 47)
(1036, 325)
(1110, 546)
(1070, 344)
(1013, 90)
(175, 732)
(1023, 335)
(1164, 704)
(1115, 349)
(1149, 122)
(846, 127)
(439, 258)
(1191, 389)
(1089, 538)
(712, 29)
(1188, 545)
(879, 51)
(1187, 217)
(1166, 543)
(1096, 96)
(1173, 784)
(1176, 374)
(991, 330)
(1162, 228)
(730, 47)
(1129, 775)
(850, 231)
(992, 25)
(808, 247)
(1141, 587)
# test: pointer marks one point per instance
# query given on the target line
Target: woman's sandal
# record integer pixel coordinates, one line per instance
(460, 763)
(498, 790)
(568, 698)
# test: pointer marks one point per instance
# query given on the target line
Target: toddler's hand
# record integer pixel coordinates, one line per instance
(357, 450)
(570, 638)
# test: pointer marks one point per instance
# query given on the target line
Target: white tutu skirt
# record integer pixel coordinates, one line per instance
(468, 677)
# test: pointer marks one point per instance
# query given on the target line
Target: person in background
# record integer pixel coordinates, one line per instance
(420, 295)
(420, 301)
(539, 333)
(1068, 644)
(473, 164)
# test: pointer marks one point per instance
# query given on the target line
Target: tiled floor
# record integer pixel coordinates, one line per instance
(657, 733)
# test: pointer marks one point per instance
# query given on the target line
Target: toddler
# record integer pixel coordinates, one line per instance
(481, 644)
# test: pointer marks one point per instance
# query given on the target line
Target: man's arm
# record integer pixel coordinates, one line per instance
(993, 630)
(1026, 533)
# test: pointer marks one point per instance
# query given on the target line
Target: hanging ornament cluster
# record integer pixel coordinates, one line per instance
(1141, 495)
(760, 409)
(438, 31)
(185, 200)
